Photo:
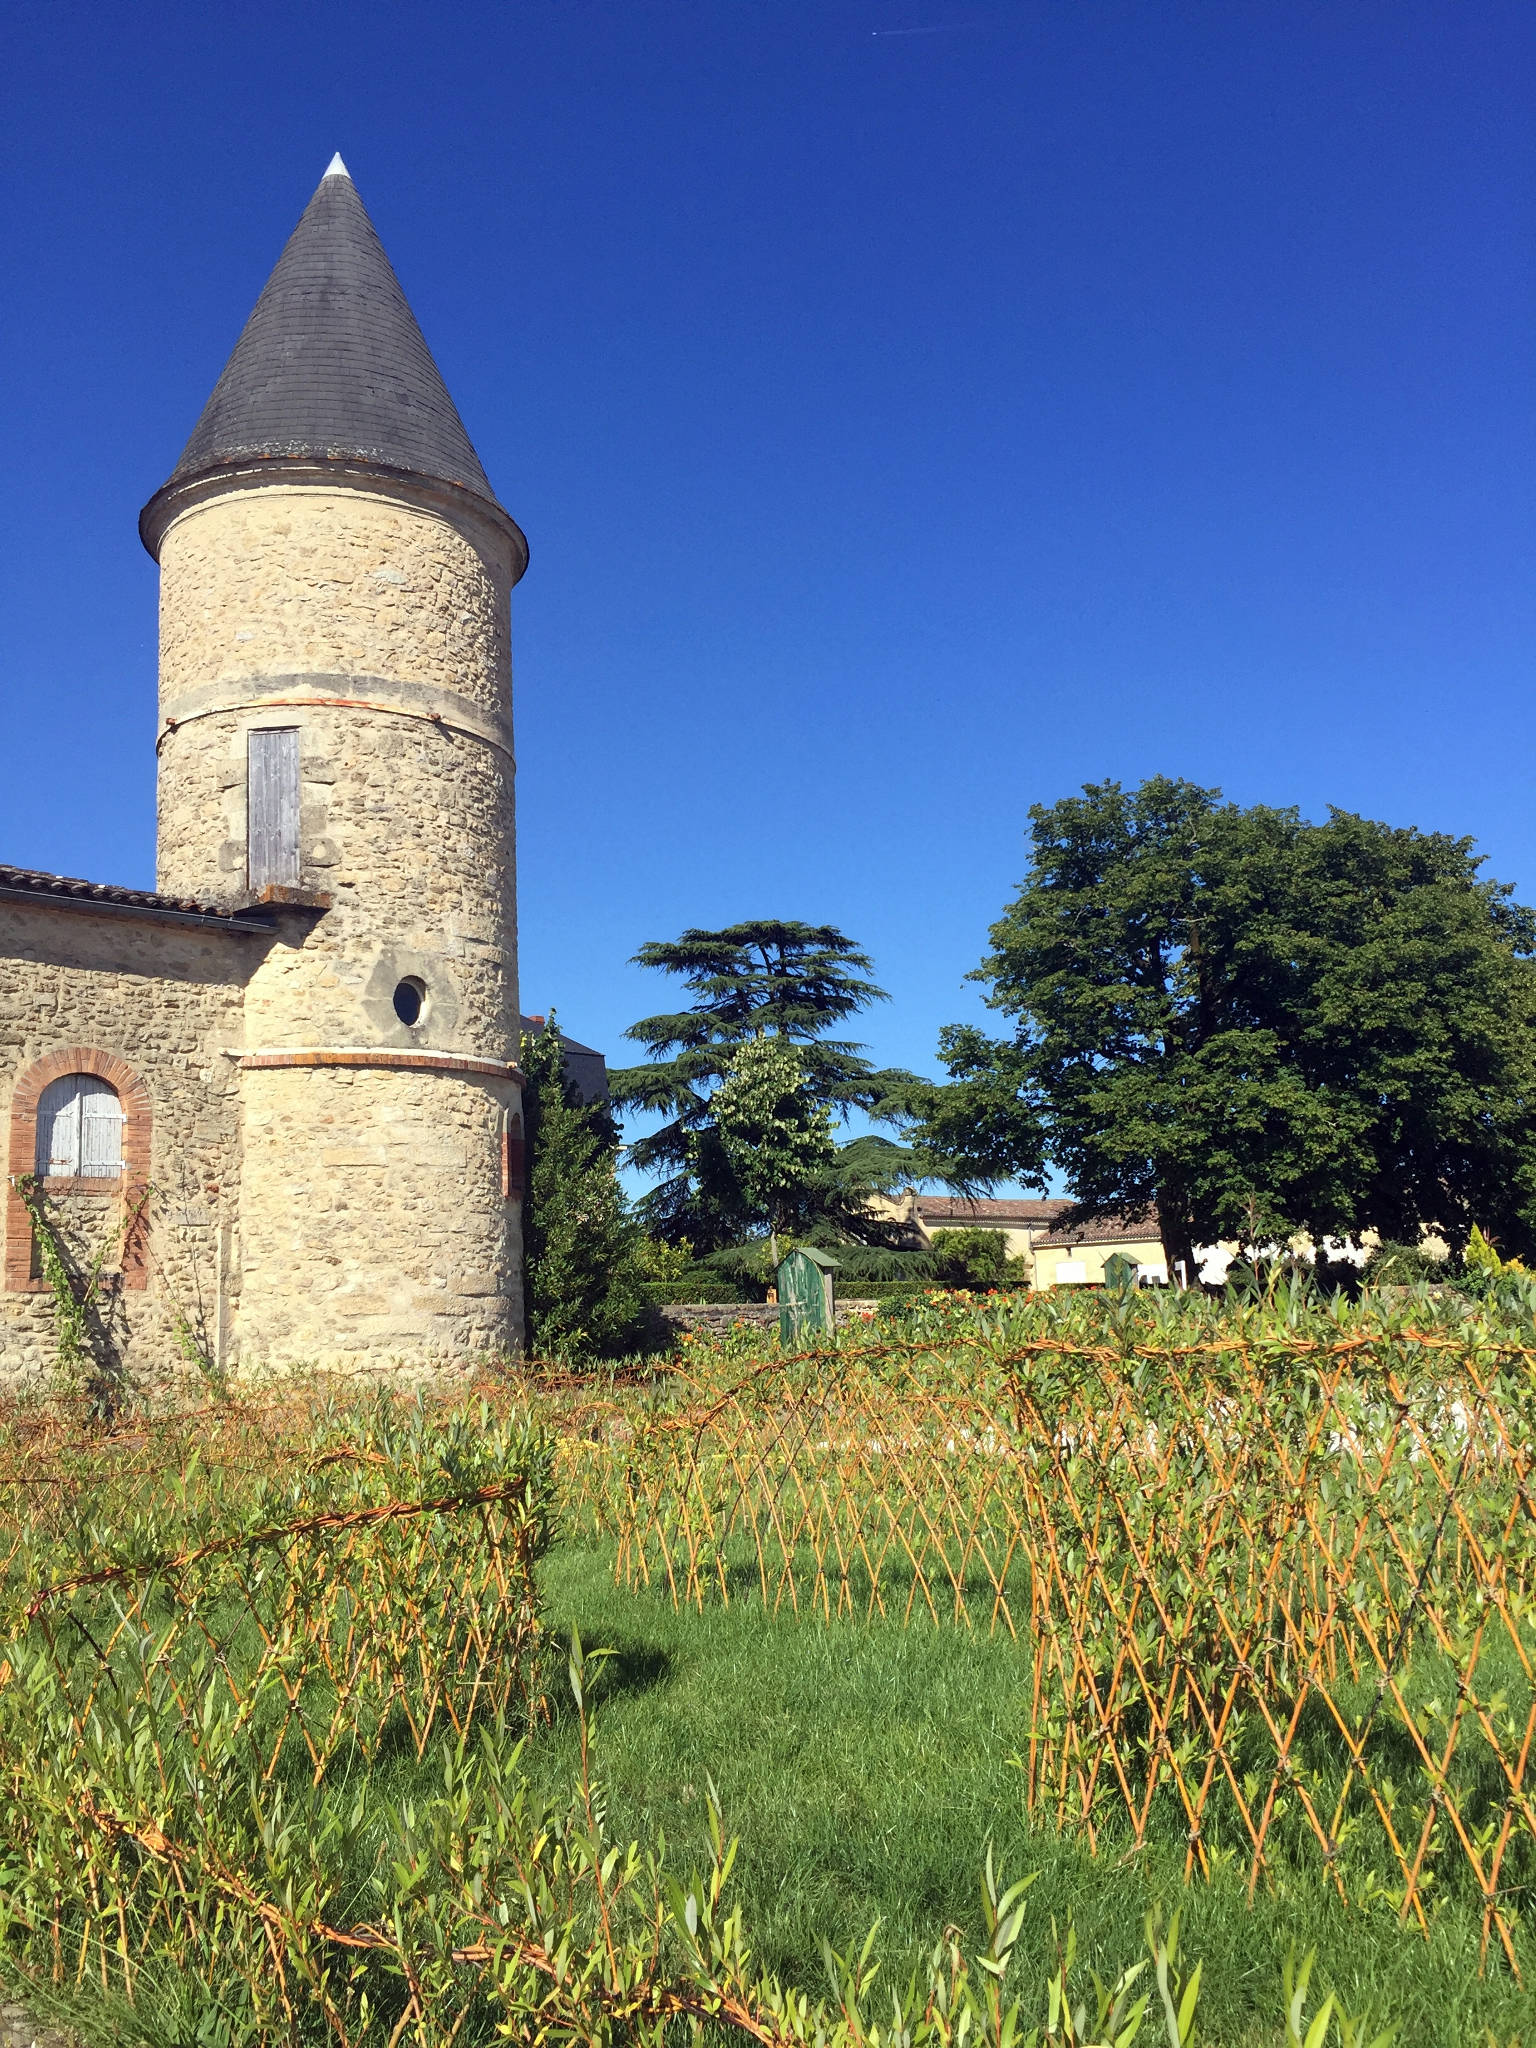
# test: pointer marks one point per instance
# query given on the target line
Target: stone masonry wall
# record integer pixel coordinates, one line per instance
(716, 1317)
(165, 1000)
(407, 812)
(310, 580)
(408, 829)
(375, 1226)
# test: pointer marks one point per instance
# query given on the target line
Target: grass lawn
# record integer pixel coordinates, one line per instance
(864, 1767)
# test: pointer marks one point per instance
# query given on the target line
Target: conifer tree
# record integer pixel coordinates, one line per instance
(765, 979)
(583, 1278)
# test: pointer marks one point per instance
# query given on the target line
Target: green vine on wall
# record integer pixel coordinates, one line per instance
(199, 1354)
(87, 1355)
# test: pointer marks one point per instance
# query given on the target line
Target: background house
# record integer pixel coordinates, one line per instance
(1076, 1254)
(1022, 1222)
(585, 1069)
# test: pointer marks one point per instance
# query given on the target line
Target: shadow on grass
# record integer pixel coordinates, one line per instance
(618, 1668)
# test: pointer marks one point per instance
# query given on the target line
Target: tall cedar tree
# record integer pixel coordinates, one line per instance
(1261, 1025)
(764, 978)
(584, 1289)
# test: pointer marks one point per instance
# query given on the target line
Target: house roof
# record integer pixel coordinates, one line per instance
(331, 365)
(69, 891)
(584, 1064)
(1104, 1230)
(961, 1209)
(536, 1024)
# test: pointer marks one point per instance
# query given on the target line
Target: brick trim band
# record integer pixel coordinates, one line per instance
(131, 1184)
(411, 1062)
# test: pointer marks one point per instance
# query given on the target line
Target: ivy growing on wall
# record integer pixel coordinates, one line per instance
(89, 1357)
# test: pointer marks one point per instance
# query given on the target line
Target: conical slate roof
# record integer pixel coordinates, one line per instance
(332, 365)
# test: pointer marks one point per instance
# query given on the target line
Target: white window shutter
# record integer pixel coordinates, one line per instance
(58, 1127)
(79, 1129)
(101, 1129)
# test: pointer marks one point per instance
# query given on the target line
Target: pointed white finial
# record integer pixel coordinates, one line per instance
(336, 168)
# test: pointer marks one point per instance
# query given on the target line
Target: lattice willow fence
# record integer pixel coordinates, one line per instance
(1278, 1595)
(199, 1624)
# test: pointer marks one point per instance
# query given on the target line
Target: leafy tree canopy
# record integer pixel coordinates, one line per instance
(770, 1139)
(763, 979)
(1260, 1024)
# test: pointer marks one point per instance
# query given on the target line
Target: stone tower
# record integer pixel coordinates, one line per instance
(336, 741)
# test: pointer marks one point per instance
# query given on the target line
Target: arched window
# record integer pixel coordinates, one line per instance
(79, 1129)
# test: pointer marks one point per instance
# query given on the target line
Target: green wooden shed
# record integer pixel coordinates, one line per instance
(806, 1308)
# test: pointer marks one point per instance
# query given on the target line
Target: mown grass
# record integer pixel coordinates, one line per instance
(865, 1766)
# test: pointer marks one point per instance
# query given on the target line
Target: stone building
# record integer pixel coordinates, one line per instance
(277, 1098)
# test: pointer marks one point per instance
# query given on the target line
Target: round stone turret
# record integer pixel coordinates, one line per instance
(336, 742)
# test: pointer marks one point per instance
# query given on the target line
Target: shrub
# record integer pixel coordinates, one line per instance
(974, 1258)
(1403, 1265)
(688, 1290)
(584, 1292)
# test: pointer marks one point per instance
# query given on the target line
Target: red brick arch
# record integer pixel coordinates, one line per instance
(132, 1184)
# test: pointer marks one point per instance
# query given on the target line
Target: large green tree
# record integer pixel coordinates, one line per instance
(1257, 1023)
(769, 1140)
(766, 978)
(583, 1278)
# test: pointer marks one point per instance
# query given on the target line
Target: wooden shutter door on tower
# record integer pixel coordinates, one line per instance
(272, 807)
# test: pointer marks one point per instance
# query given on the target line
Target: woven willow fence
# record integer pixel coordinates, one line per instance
(203, 1623)
(1279, 1597)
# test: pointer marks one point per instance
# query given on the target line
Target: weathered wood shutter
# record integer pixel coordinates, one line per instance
(58, 1127)
(272, 807)
(101, 1129)
(79, 1129)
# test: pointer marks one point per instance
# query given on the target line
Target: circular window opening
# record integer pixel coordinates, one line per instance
(410, 999)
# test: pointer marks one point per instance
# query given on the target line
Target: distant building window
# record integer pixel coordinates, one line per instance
(79, 1129)
(272, 807)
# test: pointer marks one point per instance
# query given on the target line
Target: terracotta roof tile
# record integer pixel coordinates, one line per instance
(1104, 1230)
(962, 1210)
(35, 882)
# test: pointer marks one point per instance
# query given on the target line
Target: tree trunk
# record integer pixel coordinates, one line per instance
(1178, 1234)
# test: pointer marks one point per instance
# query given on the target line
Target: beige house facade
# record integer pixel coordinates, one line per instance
(1076, 1255)
(1056, 1253)
(1021, 1222)
(277, 1098)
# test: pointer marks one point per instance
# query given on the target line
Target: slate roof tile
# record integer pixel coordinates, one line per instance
(331, 364)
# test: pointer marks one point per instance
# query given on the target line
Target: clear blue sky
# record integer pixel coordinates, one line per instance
(915, 410)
